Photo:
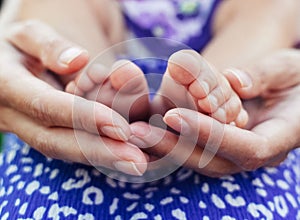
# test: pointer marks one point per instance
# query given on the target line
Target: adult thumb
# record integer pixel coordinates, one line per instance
(278, 71)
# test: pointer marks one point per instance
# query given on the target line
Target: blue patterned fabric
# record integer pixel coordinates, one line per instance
(36, 187)
(185, 21)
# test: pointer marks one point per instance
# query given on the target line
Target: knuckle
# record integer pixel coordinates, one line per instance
(42, 142)
(288, 60)
(79, 120)
(49, 44)
(39, 109)
(281, 62)
(256, 158)
(21, 30)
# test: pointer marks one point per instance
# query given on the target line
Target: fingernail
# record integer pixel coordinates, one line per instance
(115, 132)
(127, 167)
(67, 56)
(137, 142)
(140, 129)
(175, 121)
(220, 115)
(243, 78)
(242, 119)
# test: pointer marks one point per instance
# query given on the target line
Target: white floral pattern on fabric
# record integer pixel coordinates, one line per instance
(35, 187)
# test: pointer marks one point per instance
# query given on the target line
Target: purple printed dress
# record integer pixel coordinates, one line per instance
(186, 21)
(35, 187)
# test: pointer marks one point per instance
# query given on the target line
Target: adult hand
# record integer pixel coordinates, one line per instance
(45, 117)
(272, 89)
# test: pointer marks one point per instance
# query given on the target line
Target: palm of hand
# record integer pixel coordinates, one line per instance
(273, 116)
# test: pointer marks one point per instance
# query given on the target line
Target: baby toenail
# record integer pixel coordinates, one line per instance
(69, 55)
(114, 132)
(140, 129)
(138, 142)
(242, 118)
(178, 123)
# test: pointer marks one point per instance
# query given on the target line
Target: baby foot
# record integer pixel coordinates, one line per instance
(190, 82)
(122, 88)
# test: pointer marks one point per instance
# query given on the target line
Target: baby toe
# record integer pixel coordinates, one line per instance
(232, 108)
(98, 73)
(208, 104)
(73, 89)
(216, 98)
(199, 89)
(242, 119)
(126, 77)
(84, 82)
(184, 66)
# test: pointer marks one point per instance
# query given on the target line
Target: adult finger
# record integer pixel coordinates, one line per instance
(248, 149)
(42, 42)
(42, 102)
(57, 108)
(162, 143)
(75, 146)
(278, 71)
